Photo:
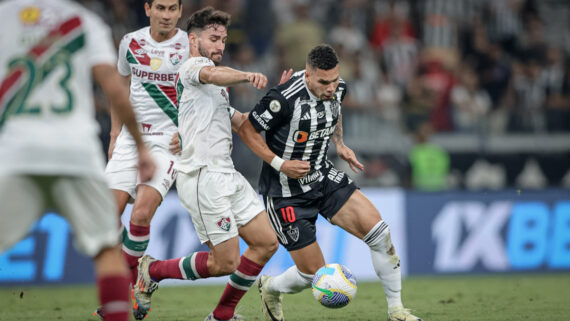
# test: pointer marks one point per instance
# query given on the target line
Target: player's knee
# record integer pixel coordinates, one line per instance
(226, 266)
(378, 238)
(141, 216)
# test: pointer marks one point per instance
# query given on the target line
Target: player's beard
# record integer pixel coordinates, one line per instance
(204, 53)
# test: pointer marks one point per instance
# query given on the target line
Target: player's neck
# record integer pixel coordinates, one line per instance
(160, 37)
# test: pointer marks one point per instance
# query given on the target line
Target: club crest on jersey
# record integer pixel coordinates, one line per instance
(175, 58)
(30, 15)
(293, 233)
(155, 63)
(224, 223)
(275, 106)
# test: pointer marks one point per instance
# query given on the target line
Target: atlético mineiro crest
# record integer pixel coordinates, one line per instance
(175, 58)
(293, 233)
(224, 223)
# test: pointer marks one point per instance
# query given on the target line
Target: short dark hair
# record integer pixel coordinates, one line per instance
(323, 57)
(205, 17)
(151, 1)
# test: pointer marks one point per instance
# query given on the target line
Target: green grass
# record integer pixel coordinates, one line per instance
(473, 298)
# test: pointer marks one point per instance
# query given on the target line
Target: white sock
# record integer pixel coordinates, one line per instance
(290, 281)
(386, 262)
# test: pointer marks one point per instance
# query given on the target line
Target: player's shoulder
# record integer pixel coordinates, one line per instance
(182, 36)
(291, 88)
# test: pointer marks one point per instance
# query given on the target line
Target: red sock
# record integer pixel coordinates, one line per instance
(134, 246)
(240, 281)
(114, 297)
(191, 267)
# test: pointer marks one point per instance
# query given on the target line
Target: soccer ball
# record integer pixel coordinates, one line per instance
(334, 286)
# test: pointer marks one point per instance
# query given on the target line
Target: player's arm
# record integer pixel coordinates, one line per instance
(226, 76)
(117, 92)
(116, 125)
(253, 139)
(342, 150)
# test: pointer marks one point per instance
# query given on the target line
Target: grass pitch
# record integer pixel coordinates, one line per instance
(458, 298)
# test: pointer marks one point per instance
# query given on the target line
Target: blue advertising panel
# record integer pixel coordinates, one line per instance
(492, 231)
(47, 255)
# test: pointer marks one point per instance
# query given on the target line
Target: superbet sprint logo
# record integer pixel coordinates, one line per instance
(469, 232)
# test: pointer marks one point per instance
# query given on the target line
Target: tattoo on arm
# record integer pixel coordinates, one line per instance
(337, 135)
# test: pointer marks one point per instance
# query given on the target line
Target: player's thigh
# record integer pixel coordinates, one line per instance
(165, 174)
(293, 220)
(357, 216)
(21, 203)
(206, 197)
(89, 206)
(121, 173)
(147, 201)
(308, 259)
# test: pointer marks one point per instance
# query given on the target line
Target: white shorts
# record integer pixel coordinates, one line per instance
(86, 203)
(219, 203)
(122, 174)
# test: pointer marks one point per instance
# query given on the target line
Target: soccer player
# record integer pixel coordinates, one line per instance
(150, 58)
(300, 118)
(220, 201)
(50, 153)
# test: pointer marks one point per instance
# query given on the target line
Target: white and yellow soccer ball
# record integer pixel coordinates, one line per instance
(334, 286)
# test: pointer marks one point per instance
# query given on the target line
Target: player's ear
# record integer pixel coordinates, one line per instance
(147, 9)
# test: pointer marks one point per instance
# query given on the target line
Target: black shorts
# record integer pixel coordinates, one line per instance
(293, 218)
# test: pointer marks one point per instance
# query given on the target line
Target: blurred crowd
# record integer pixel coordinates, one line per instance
(415, 67)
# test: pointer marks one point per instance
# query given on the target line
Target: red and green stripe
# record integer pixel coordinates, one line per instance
(133, 57)
(165, 98)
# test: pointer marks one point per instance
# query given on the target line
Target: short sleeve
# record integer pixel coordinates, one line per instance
(190, 72)
(271, 111)
(122, 63)
(100, 47)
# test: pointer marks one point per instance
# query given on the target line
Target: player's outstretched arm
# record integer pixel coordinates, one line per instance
(117, 92)
(226, 76)
(255, 142)
(342, 150)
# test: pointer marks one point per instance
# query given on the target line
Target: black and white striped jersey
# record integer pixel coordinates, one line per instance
(298, 126)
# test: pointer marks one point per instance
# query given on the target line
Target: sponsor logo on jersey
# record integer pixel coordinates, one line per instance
(155, 63)
(175, 58)
(142, 41)
(224, 223)
(152, 76)
(275, 106)
(30, 15)
(310, 178)
(266, 116)
(259, 120)
(306, 116)
(302, 136)
(177, 46)
(146, 127)
(293, 233)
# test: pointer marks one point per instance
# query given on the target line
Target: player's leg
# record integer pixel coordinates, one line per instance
(293, 220)
(90, 209)
(262, 244)
(360, 217)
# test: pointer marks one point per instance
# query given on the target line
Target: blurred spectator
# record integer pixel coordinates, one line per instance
(504, 22)
(557, 78)
(385, 19)
(529, 98)
(297, 38)
(345, 34)
(389, 97)
(399, 54)
(429, 163)
(440, 81)
(470, 103)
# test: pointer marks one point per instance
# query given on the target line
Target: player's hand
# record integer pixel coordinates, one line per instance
(146, 165)
(296, 168)
(257, 80)
(348, 156)
(174, 145)
(285, 76)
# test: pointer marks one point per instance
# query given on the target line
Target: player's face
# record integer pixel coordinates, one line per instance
(322, 83)
(211, 42)
(163, 15)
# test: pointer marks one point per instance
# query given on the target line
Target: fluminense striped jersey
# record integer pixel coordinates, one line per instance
(152, 66)
(298, 126)
(47, 117)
